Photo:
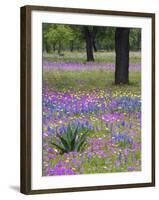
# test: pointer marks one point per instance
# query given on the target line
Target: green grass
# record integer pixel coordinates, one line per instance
(108, 57)
(88, 80)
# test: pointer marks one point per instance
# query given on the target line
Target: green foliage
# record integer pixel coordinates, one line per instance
(135, 39)
(59, 37)
(72, 140)
(105, 38)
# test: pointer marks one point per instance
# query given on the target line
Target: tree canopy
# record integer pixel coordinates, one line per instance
(60, 37)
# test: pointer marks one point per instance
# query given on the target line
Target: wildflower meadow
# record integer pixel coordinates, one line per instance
(90, 124)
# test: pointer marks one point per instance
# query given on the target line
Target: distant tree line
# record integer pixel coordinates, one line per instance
(72, 37)
(58, 38)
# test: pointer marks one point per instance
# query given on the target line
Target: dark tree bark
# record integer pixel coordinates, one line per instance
(89, 43)
(71, 46)
(122, 56)
(138, 42)
(94, 45)
(54, 47)
(59, 48)
(94, 38)
(47, 47)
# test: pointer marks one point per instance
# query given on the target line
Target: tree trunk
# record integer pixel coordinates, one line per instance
(94, 45)
(59, 48)
(122, 56)
(47, 47)
(94, 32)
(54, 47)
(71, 46)
(89, 43)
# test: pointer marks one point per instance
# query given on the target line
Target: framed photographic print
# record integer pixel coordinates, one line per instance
(87, 99)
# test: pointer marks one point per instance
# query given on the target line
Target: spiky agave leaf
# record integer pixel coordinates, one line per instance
(71, 140)
(59, 147)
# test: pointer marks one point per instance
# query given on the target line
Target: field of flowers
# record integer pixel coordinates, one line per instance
(90, 125)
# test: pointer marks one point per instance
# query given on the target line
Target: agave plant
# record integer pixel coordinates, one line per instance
(72, 140)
